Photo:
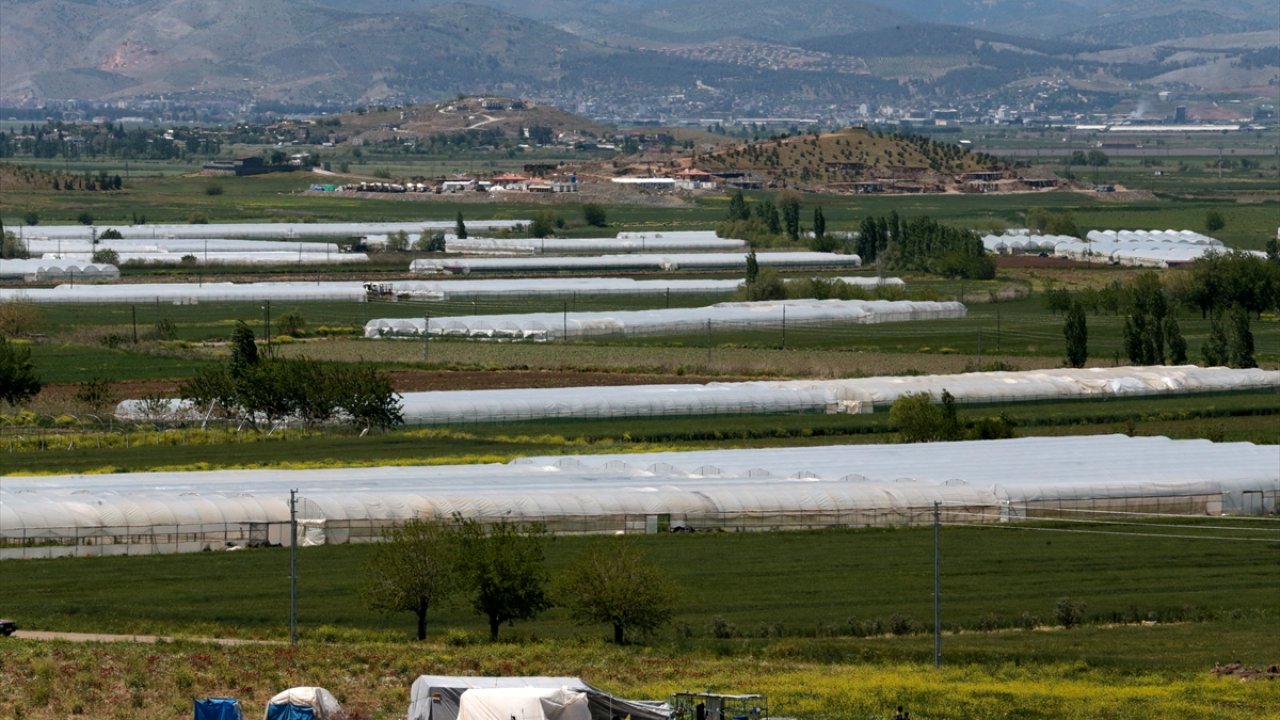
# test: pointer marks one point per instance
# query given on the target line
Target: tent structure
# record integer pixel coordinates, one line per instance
(276, 231)
(438, 697)
(218, 709)
(304, 703)
(523, 704)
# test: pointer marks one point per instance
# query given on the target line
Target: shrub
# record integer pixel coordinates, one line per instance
(291, 324)
(213, 189)
(106, 256)
(96, 393)
(1069, 612)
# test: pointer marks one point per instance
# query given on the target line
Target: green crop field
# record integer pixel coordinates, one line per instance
(832, 625)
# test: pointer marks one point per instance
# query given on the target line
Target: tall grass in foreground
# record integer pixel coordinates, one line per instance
(127, 681)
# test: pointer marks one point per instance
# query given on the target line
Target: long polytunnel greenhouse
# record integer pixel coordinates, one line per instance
(732, 490)
(192, 246)
(357, 291)
(632, 262)
(667, 321)
(292, 257)
(856, 395)
(646, 244)
(286, 231)
(53, 270)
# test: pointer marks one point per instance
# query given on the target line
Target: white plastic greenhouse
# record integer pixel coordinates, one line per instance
(736, 490)
(52, 270)
(356, 291)
(632, 262)
(669, 321)
(292, 257)
(676, 242)
(286, 231)
(192, 246)
(858, 395)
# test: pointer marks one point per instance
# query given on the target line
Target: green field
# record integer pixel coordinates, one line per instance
(766, 585)
(831, 625)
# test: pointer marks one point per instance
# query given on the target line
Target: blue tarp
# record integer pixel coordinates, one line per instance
(290, 712)
(218, 709)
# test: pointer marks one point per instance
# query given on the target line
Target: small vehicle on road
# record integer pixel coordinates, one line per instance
(7, 627)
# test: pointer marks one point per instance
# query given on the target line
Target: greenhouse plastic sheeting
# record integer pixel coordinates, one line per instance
(771, 488)
(193, 246)
(793, 396)
(636, 262)
(1152, 236)
(550, 326)
(232, 258)
(1143, 254)
(46, 270)
(593, 245)
(263, 230)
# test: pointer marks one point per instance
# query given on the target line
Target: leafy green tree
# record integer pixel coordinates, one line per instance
(366, 396)
(413, 569)
(106, 256)
(753, 267)
(542, 224)
(767, 285)
(502, 564)
(397, 241)
(244, 350)
(594, 215)
(12, 247)
(111, 234)
(18, 380)
(1077, 335)
(1214, 351)
(460, 227)
(1213, 221)
(212, 391)
(430, 241)
(918, 419)
(737, 207)
(615, 583)
(31, 217)
(1177, 345)
(789, 205)
(1239, 339)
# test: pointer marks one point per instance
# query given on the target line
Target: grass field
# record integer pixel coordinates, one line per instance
(806, 617)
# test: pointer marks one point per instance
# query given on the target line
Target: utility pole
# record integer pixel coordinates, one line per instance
(784, 327)
(937, 585)
(426, 334)
(293, 567)
(708, 342)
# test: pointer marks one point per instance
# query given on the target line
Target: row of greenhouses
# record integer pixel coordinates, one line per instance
(729, 490)
(666, 321)
(855, 395)
(271, 230)
(636, 262)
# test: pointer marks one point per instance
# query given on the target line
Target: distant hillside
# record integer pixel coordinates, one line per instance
(839, 160)
(633, 58)
(512, 119)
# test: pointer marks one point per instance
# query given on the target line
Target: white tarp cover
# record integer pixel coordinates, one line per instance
(264, 230)
(784, 396)
(44, 270)
(550, 326)
(291, 257)
(731, 485)
(356, 291)
(674, 242)
(523, 704)
(636, 262)
(322, 701)
(436, 697)
(193, 246)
